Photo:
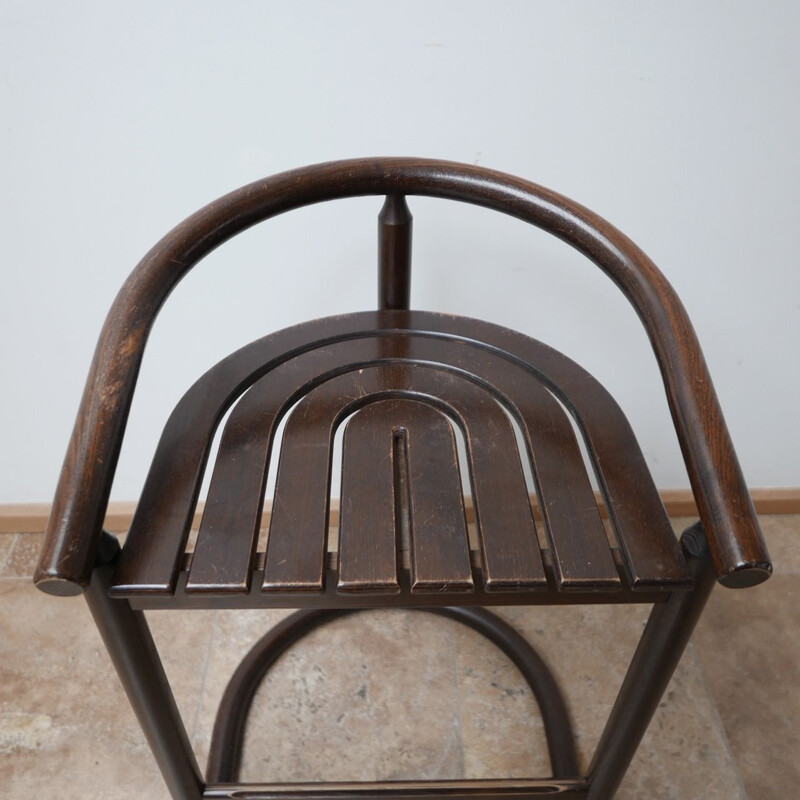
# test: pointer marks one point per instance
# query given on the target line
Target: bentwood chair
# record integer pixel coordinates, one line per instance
(406, 381)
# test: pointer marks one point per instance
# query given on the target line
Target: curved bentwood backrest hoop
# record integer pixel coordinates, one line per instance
(737, 546)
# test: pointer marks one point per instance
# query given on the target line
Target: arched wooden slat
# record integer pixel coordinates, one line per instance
(373, 511)
(645, 537)
(399, 462)
(296, 542)
(160, 527)
(439, 542)
(571, 516)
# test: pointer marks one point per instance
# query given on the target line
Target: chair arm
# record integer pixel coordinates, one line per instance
(738, 551)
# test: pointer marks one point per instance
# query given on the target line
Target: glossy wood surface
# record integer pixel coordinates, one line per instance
(516, 789)
(374, 513)
(737, 547)
(406, 383)
(384, 441)
(395, 226)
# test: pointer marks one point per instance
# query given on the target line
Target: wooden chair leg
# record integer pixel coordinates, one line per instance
(662, 644)
(133, 652)
(130, 644)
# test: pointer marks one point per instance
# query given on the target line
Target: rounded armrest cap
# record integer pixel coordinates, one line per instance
(746, 575)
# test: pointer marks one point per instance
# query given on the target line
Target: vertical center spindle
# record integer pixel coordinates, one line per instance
(394, 253)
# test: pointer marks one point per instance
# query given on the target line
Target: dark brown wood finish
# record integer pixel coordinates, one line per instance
(298, 529)
(663, 641)
(383, 441)
(373, 502)
(438, 525)
(569, 509)
(394, 254)
(509, 789)
(133, 652)
(737, 547)
(412, 384)
(331, 597)
(224, 561)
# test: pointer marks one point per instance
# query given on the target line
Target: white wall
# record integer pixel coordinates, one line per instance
(676, 121)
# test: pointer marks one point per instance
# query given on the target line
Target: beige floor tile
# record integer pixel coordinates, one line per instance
(233, 633)
(501, 728)
(782, 533)
(404, 694)
(749, 642)
(23, 558)
(368, 697)
(374, 696)
(7, 541)
(588, 648)
(66, 729)
(684, 754)
(184, 639)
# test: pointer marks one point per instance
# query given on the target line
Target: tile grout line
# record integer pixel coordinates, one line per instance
(7, 559)
(456, 627)
(201, 693)
(720, 722)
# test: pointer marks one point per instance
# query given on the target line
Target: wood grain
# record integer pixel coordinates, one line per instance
(736, 544)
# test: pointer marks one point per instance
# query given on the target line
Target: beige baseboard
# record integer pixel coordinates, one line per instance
(32, 517)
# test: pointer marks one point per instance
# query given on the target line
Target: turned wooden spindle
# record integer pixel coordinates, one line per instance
(394, 253)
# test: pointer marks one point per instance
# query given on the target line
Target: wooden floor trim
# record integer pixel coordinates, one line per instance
(32, 517)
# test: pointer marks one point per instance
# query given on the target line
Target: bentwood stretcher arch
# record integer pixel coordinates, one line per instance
(406, 381)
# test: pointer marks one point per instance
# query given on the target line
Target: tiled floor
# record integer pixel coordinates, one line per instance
(403, 694)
